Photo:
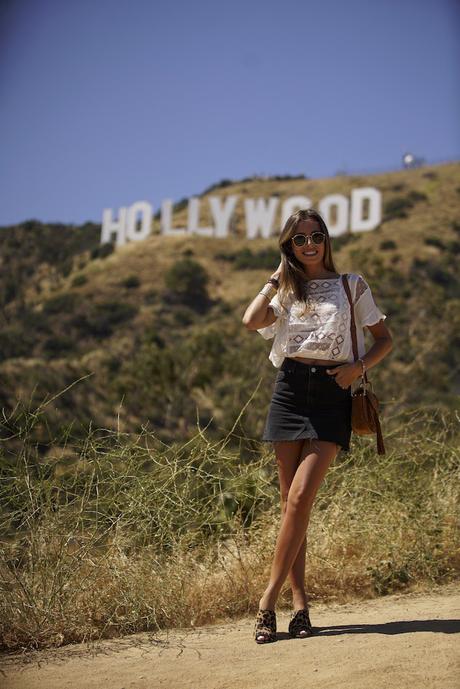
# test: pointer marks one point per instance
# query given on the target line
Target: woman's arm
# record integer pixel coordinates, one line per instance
(258, 315)
(346, 374)
(382, 345)
(366, 311)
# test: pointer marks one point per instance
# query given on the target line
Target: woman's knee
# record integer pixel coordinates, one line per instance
(299, 500)
(309, 476)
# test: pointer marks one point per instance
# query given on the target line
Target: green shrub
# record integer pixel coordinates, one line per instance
(416, 196)
(246, 259)
(219, 185)
(398, 206)
(60, 303)
(65, 268)
(387, 244)
(430, 175)
(113, 312)
(79, 280)
(103, 250)
(9, 289)
(453, 246)
(344, 239)
(225, 308)
(187, 280)
(267, 259)
(58, 344)
(113, 364)
(15, 342)
(183, 315)
(438, 273)
(101, 319)
(419, 263)
(435, 241)
(151, 297)
(282, 178)
(223, 256)
(130, 282)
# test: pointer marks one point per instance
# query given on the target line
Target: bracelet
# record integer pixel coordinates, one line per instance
(268, 291)
(363, 366)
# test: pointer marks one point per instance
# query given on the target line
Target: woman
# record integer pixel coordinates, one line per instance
(305, 306)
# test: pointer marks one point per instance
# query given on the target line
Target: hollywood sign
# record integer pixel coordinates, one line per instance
(360, 213)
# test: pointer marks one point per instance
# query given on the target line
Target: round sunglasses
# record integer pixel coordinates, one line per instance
(301, 239)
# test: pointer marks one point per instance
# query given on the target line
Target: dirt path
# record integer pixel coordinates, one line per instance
(404, 641)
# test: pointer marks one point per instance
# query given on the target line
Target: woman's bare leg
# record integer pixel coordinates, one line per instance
(310, 472)
(288, 455)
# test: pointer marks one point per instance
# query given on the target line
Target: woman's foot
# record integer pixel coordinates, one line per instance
(265, 626)
(300, 626)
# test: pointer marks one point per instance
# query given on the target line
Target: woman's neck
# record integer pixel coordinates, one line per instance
(319, 274)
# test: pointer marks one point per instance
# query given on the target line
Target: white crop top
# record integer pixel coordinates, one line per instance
(324, 331)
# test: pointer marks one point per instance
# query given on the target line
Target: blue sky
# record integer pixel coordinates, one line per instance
(107, 102)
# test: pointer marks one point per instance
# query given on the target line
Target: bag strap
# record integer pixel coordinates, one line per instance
(353, 323)
(371, 398)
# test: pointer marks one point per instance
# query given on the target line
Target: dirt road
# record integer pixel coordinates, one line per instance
(401, 641)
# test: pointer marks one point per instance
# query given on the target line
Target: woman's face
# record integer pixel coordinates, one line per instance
(310, 254)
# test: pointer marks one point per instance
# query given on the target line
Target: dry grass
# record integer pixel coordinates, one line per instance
(121, 534)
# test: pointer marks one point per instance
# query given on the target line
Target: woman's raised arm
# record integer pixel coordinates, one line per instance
(257, 314)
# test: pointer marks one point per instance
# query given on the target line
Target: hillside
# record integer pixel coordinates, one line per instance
(156, 326)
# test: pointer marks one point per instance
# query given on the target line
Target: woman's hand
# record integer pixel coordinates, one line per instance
(346, 374)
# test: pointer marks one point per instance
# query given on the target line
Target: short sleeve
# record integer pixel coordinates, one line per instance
(269, 331)
(366, 310)
(277, 306)
(279, 310)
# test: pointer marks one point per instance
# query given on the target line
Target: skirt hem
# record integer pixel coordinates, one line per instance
(305, 437)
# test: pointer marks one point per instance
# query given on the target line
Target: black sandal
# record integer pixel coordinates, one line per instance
(300, 625)
(265, 627)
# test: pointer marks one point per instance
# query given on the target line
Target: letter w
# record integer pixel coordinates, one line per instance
(259, 216)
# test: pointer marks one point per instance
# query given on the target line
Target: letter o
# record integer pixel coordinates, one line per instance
(342, 205)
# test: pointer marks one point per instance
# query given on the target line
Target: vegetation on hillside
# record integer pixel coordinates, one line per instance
(155, 329)
(119, 532)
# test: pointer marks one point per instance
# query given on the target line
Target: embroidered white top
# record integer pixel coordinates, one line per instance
(323, 331)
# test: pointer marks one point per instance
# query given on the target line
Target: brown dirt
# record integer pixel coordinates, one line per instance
(406, 640)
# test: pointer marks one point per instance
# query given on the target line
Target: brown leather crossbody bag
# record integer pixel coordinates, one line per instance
(365, 405)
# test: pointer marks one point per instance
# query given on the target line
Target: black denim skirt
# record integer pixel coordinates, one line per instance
(308, 403)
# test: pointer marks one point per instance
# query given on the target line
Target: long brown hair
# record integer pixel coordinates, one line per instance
(292, 277)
